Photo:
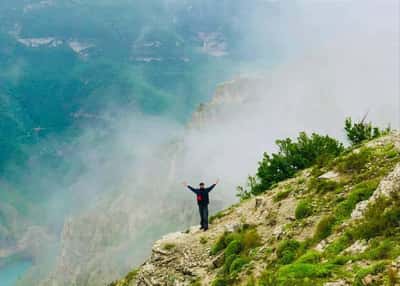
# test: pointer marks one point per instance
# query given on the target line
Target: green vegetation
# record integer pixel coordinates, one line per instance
(322, 186)
(292, 157)
(304, 209)
(315, 150)
(168, 246)
(297, 263)
(295, 156)
(359, 132)
(360, 171)
(338, 245)
(292, 259)
(195, 283)
(131, 276)
(281, 195)
(324, 227)
(296, 274)
(303, 270)
(382, 218)
(311, 256)
(220, 281)
(374, 269)
(360, 192)
(355, 162)
(379, 250)
(236, 249)
(287, 251)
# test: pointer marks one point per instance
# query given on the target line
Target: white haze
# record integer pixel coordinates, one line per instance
(341, 58)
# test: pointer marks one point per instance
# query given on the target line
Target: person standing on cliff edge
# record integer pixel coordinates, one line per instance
(202, 201)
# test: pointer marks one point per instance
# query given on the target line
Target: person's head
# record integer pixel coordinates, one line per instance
(201, 185)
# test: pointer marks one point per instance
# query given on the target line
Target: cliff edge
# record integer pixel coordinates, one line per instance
(331, 225)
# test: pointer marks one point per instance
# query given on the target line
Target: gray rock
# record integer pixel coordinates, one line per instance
(357, 247)
(329, 175)
(388, 186)
(258, 202)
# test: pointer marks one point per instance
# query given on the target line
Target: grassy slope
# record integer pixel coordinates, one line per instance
(300, 232)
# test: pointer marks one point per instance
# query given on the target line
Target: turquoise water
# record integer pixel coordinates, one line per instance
(10, 273)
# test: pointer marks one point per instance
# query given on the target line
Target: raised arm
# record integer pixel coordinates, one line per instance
(209, 189)
(189, 187)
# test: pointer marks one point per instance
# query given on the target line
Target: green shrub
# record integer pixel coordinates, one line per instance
(287, 257)
(251, 281)
(245, 193)
(311, 256)
(361, 131)
(341, 259)
(195, 283)
(234, 247)
(305, 270)
(355, 162)
(323, 185)
(237, 246)
(219, 245)
(380, 218)
(281, 195)
(339, 244)
(392, 153)
(232, 236)
(294, 156)
(360, 192)
(379, 251)
(220, 281)
(228, 262)
(373, 269)
(304, 209)
(287, 251)
(268, 278)
(250, 240)
(324, 228)
(168, 246)
(238, 264)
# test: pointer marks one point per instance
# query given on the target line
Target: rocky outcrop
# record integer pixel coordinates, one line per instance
(229, 97)
(184, 258)
(388, 186)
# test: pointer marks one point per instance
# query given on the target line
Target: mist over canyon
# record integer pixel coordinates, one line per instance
(106, 106)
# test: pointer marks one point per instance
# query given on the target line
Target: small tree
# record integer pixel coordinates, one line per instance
(292, 157)
(244, 193)
(359, 132)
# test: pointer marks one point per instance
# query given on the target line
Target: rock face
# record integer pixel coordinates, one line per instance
(387, 187)
(20, 237)
(186, 258)
(229, 96)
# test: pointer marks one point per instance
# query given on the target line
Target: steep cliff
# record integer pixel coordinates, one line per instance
(102, 243)
(331, 225)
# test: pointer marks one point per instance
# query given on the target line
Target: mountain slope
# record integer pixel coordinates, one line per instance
(331, 225)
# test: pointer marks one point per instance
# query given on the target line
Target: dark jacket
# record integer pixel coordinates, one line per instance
(202, 194)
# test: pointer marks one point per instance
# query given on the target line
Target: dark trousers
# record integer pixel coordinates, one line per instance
(203, 210)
